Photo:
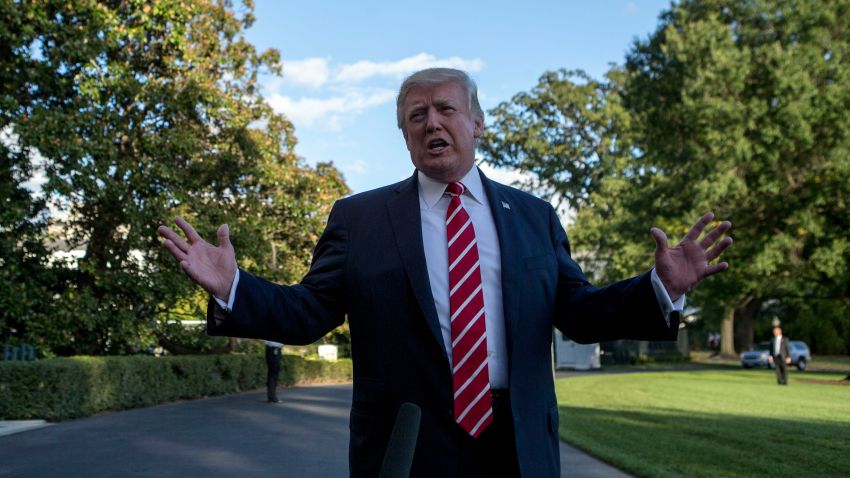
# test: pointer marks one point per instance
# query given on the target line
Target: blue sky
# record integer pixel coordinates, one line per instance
(344, 61)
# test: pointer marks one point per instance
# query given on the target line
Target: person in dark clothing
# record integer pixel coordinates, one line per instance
(780, 356)
(451, 283)
(273, 351)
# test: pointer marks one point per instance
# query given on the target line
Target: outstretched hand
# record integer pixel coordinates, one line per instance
(682, 267)
(211, 267)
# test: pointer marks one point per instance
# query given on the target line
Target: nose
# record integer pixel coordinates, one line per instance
(432, 121)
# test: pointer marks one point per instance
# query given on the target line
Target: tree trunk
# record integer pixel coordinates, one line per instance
(745, 322)
(727, 332)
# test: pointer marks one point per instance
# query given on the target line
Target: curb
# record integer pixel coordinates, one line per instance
(14, 426)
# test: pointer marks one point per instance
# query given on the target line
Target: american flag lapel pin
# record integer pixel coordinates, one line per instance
(506, 205)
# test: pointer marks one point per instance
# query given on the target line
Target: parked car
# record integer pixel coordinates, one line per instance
(758, 356)
(800, 354)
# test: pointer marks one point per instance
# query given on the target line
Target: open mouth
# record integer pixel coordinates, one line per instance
(437, 146)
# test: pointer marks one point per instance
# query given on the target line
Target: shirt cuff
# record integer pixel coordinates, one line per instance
(228, 306)
(667, 306)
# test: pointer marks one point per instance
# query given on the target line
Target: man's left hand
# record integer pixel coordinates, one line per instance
(682, 267)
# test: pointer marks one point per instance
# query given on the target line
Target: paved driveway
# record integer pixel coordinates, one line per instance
(237, 435)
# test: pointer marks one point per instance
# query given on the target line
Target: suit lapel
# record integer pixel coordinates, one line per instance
(407, 228)
(509, 241)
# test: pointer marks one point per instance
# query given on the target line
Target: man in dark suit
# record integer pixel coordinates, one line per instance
(780, 356)
(451, 283)
(273, 356)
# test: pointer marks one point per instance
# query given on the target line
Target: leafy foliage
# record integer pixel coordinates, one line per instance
(743, 108)
(567, 131)
(63, 388)
(142, 111)
(734, 106)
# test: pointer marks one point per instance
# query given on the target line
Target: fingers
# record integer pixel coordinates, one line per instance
(166, 232)
(697, 229)
(188, 230)
(173, 237)
(718, 249)
(173, 242)
(175, 251)
(660, 240)
(714, 269)
(224, 236)
(715, 234)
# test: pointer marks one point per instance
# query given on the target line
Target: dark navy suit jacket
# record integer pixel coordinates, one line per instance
(369, 264)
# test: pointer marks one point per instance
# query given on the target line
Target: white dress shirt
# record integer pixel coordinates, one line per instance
(433, 204)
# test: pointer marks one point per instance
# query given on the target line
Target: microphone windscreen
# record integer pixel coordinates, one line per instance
(399, 456)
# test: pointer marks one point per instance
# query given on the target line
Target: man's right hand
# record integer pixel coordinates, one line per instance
(211, 267)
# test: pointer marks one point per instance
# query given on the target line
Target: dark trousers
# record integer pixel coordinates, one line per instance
(493, 453)
(273, 362)
(781, 370)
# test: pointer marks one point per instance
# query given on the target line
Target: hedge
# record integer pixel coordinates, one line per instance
(63, 388)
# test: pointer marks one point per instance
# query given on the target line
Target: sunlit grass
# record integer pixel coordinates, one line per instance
(710, 423)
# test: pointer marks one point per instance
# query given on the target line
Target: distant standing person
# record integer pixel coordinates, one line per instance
(273, 350)
(780, 356)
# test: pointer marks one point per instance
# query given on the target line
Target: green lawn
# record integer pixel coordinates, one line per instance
(710, 423)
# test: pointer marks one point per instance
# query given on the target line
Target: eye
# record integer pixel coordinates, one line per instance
(415, 116)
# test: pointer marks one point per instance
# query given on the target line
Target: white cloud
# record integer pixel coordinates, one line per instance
(312, 72)
(365, 69)
(339, 91)
(632, 8)
(308, 111)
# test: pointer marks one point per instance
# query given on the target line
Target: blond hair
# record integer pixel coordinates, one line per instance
(434, 77)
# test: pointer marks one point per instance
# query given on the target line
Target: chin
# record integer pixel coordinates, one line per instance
(442, 169)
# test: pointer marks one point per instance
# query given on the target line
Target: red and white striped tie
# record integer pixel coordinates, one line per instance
(472, 401)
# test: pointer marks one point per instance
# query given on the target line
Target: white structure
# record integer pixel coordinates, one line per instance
(569, 354)
(328, 352)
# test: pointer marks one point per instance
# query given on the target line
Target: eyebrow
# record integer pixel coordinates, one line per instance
(443, 102)
(435, 102)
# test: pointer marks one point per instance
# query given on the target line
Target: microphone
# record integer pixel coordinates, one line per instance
(399, 455)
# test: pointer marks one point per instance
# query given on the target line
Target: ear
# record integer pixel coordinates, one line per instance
(477, 127)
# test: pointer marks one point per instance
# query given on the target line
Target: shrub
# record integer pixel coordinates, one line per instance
(63, 388)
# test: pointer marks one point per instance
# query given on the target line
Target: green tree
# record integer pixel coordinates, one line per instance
(739, 107)
(144, 110)
(568, 132)
(24, 279)
(571, 133)
(742, 107)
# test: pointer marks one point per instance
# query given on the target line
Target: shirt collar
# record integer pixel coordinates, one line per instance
(431, 190)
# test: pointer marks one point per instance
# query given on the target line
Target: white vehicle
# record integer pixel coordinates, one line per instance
(758, 356)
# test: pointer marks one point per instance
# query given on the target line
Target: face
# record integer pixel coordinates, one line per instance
(440, 131)
(777, 331)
